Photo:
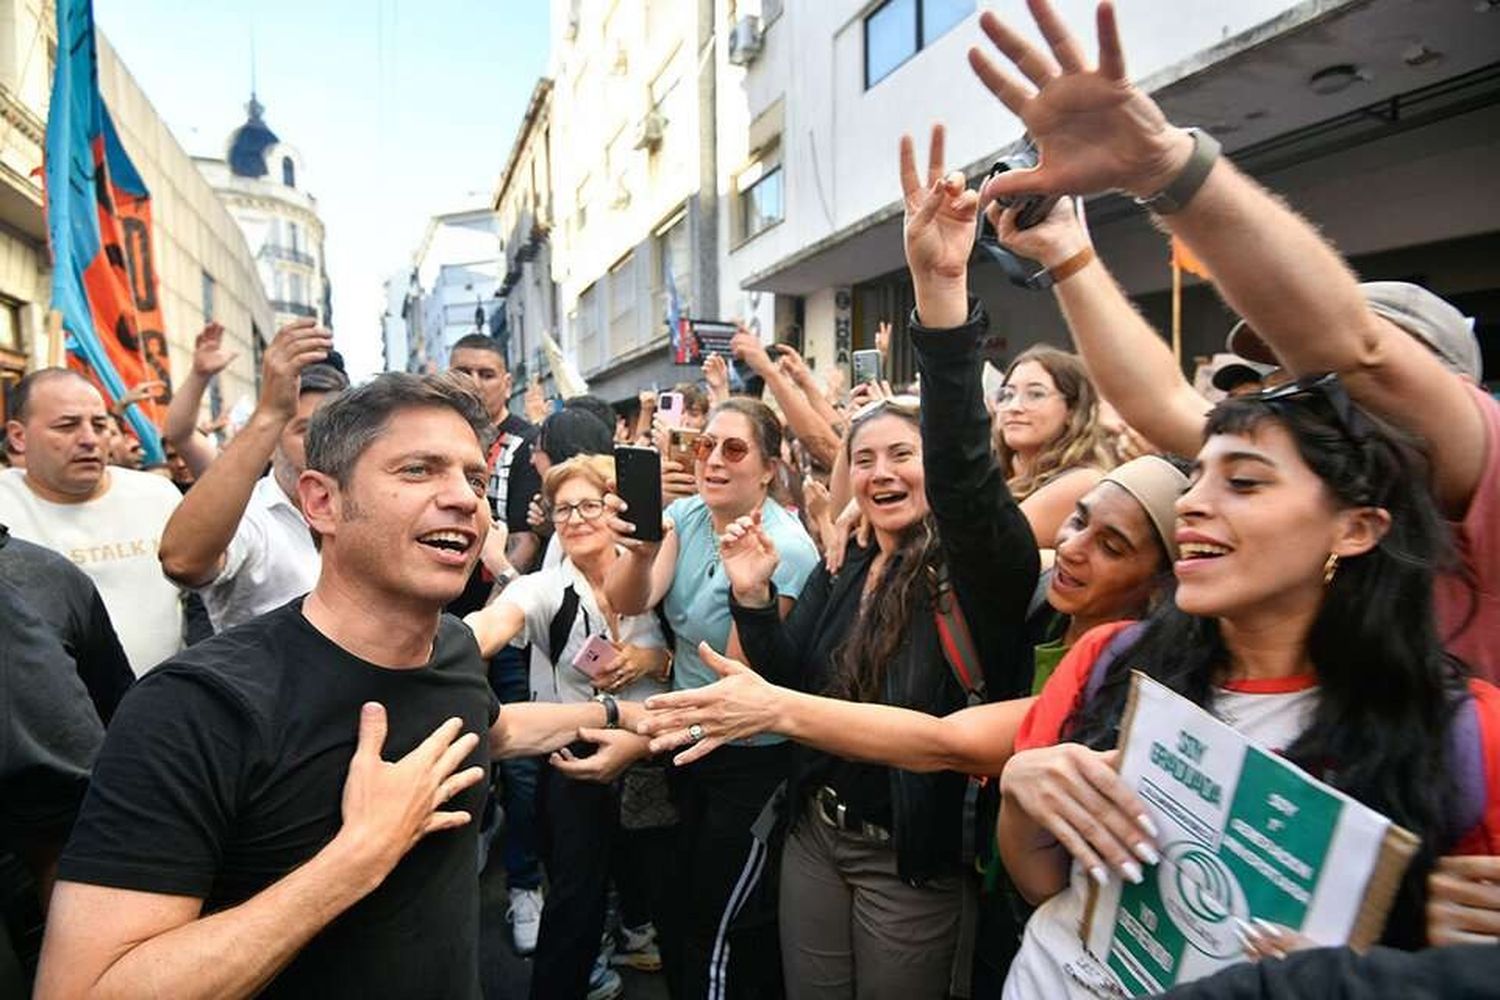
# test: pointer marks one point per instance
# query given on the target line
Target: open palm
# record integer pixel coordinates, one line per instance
(748, 554)
(940, 214)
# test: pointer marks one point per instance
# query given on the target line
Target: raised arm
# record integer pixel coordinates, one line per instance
(815, 433)
(195, 540)
(154, 944)
(794, 367)
(639, 580)
(1130, 364)
(987, 542)
(1096, 131)
(495, 625)
(181, 427)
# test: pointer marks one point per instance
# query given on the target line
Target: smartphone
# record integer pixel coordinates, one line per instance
(680, 441)
(595, 655)
(638, 479)
(669, 408)
(866, 366)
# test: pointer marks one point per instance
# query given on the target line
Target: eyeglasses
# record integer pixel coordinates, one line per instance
(1028, 398)
(733, 449)
(588, 510)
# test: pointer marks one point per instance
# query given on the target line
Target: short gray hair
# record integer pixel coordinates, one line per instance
(347, 424)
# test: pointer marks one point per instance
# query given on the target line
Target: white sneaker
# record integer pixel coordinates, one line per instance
(638, 949)
(525, 918)
(604, 983)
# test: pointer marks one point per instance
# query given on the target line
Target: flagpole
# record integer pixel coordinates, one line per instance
(1176, 312)
(55, 339)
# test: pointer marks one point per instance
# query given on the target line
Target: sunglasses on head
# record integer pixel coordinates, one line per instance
(1326, 387)
(733, 449)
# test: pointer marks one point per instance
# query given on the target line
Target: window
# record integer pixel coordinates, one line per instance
(761, 199)
(588, 328)
(294, 235)
(622, 325)
(296, 289)
(674, 255)
(898, 29)
(208, 297)
(288, 172)
(10, 325)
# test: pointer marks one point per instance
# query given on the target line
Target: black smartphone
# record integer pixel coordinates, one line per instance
(638, 479)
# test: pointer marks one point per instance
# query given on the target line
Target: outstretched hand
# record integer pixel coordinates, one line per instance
(740, 704)
(1094, 130)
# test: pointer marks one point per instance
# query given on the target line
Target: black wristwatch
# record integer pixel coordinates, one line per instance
(611, 709)
(1175, 196)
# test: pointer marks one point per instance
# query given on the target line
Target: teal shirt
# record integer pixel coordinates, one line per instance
(697, 605)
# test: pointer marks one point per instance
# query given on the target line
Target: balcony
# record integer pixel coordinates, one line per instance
(292, 308)
(277, 252)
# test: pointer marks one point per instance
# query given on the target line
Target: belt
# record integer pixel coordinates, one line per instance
(832, 810)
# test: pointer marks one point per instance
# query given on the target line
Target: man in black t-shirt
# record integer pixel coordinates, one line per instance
(285, 808)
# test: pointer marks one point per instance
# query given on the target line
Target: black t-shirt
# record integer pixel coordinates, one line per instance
(49, 730)
(65, 599)
(224, 770)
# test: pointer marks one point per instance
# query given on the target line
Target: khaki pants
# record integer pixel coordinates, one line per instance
(851, 929)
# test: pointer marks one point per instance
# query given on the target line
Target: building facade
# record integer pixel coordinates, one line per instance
(1375, 119)
(451, 288)
(259, 180)
(523, 203)
(204, 269)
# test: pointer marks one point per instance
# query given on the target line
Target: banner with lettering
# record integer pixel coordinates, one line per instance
(1245, 834)
(104, 280)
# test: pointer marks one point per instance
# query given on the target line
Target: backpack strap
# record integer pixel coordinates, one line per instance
(1118, 643)
(957, 642)
(561, 625)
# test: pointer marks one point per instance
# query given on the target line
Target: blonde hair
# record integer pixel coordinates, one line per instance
(597, 470)
(1082, 441)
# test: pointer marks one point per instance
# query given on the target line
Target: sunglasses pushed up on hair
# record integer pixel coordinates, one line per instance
(733, 449)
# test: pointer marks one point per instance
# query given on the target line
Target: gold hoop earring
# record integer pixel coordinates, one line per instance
(1330, 568)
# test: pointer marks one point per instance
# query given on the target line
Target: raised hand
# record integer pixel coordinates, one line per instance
(535, 403)
(793, 365)
(617, 750)
(750, 558)
(939, 233)
(1094, 129)
(716, 374)
(740, 704)
(141, 392)
(746, 345)
(1050, 242)
(209, 356)
(389, 807)
(297, 345)
(883, 338)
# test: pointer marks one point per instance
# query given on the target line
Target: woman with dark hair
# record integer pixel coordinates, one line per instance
(1303, 616)
(1047, 435)
(736, 461)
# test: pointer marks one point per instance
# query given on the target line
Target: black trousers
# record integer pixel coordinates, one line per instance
(579, 822)
(726, 935)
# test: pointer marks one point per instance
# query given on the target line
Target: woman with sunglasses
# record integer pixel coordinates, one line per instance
(566, 607)
(1048, 436)
(719, 799)
(1303, 616)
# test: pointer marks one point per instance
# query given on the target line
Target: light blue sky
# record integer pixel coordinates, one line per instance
(400, 108)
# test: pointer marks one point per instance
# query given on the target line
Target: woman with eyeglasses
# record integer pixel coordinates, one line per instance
(719, 799)
(1047, 435)
(1303, 617)
(563, 611)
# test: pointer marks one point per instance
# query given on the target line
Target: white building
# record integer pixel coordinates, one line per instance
(259, 181)
(455, 271)
(394, 336)
(1377, 118)
(204, 270)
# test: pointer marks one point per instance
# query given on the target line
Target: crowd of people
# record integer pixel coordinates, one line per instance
(850, 726)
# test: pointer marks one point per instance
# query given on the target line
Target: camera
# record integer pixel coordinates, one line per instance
(1031, 209)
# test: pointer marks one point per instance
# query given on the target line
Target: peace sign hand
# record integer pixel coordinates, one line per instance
(939, 233)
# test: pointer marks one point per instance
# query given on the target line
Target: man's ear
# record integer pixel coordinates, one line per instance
(1360, 530)
(321, 500)
(15, 433)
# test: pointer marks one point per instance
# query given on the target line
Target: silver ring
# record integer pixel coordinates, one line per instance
(695, 732)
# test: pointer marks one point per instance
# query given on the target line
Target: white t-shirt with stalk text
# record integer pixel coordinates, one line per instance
(113, 539)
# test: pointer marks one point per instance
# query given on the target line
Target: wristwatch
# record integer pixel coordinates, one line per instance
(1175, 196)
(611, 709)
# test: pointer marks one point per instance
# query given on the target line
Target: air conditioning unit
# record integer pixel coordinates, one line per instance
(650, 129)
(745, 41)
(621, 197)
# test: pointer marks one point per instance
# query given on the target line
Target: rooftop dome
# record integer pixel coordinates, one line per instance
(249, 142)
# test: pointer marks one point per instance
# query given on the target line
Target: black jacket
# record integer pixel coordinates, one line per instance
(992, 564)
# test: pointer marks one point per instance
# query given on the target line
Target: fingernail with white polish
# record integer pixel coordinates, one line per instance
(1099, 874)
(1132, 872)
(1147, 853)
(1266, 927)
(1148, 825)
